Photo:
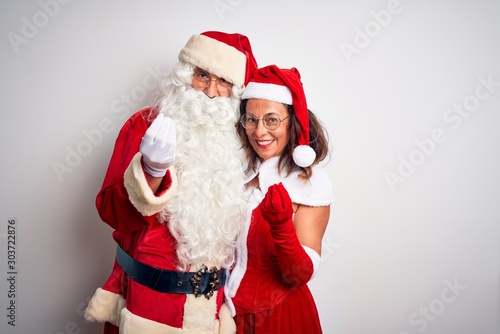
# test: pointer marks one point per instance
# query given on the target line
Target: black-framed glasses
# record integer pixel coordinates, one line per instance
(271, 121)
(204, 79)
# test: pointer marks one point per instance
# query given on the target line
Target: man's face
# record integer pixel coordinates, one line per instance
(210, 84)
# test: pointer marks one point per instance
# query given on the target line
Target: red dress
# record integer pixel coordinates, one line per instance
(127, 204)
(265, 300)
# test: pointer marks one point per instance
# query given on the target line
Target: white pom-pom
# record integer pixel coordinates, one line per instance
(304, 156)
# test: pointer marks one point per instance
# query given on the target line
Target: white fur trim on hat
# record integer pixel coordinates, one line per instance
(268, 91)
(139, 191)
(215, 57)
(105, 306)
(304, 156)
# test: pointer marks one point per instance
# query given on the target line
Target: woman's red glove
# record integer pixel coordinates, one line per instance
(276, 208)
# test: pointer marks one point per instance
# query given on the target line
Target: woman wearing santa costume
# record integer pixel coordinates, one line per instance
(174, 194)
(279, 248)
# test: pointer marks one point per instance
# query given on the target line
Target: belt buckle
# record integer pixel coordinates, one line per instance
(214, 282)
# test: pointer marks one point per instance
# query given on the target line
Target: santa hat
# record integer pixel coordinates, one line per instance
(228, 56)
(284, 86)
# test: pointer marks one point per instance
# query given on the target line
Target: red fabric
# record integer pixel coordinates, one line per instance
(110, 329)
(273, 296)
(112, 201)
(141, 236)
(295, 314)
(296, 266)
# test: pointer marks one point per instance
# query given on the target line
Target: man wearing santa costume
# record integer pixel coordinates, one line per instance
(174, 194)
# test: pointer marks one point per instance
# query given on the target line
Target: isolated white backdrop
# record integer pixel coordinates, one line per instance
(408, 90)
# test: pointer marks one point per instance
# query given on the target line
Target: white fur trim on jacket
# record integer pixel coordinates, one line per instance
(215, 57)
(199, 318)
(139, 192)
(226, 321)
(105, 306)
(241, 255)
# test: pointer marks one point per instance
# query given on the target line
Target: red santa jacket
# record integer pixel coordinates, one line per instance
(127, 204)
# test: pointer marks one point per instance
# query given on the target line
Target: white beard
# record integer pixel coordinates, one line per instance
(207, 211)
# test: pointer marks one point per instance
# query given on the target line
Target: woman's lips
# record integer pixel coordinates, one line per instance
(264, 143)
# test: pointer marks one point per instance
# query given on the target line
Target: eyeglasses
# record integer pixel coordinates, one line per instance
(204, 79)
(271, 121)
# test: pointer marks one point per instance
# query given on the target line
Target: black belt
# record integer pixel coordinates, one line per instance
(202, 282)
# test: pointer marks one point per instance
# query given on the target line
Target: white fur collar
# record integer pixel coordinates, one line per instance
(317, 191)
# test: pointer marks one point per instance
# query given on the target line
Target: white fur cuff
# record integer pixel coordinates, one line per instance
(139, 192)
(105, 306)
(315, 259)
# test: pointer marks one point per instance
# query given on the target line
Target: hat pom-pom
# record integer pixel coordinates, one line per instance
(304, 156)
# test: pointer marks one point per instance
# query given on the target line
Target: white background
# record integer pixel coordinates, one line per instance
(392, 249)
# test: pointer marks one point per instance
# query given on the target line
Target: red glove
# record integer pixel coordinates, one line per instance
(295, 265)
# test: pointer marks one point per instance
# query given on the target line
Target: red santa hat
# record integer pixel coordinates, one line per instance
(228, 56)
(284, 86)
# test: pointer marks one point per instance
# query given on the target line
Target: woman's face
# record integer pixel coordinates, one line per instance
(267, 143)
